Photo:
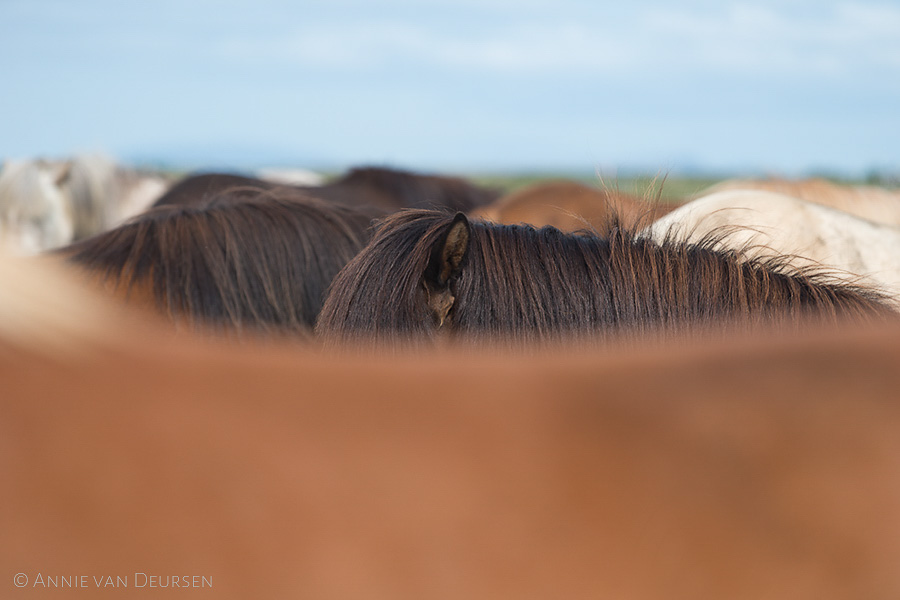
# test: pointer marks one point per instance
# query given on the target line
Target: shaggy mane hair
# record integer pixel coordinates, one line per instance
(524, 283)
(242, 259)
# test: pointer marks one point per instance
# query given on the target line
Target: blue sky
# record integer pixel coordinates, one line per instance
(784, 86)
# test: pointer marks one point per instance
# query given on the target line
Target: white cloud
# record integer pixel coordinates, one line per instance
(755, 38)
(736, 37)
(516, 48)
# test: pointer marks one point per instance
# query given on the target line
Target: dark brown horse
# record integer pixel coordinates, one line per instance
(244, 259)
(425, 272)
(388, 189)
(200, 188)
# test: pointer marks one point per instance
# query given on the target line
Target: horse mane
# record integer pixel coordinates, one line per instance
(531, 284)
(242, 259)
(760, 222)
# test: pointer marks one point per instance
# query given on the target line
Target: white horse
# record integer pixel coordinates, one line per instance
(104, 194)
(49, 203)
(876, 204)
(135, 192)
(291, 176)
(35, 214)
(768, 224)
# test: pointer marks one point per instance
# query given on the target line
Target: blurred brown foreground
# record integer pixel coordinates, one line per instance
(752, 468)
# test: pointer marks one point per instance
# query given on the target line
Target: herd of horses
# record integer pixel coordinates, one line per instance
(403, 385)
(392, 257)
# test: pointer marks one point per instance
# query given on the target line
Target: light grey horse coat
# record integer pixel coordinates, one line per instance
(35, 213)
(768, 224)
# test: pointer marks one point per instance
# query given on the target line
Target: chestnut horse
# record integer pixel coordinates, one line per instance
(570, 206)
(426, 273)
(131, 459)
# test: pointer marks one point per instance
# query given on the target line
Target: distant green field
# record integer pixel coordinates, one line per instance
(668, 189)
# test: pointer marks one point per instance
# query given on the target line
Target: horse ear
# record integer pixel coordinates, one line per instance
(448, 253)
(444, 265)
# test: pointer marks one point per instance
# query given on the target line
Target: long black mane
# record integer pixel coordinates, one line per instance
(242, 259)
(537, 284)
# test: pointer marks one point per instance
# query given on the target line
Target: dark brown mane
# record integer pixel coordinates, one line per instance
(260, 261)
(538, 284)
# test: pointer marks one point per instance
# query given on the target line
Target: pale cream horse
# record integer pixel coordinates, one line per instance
(35, 214)
(811, 235)
(876, 204)
(105, 194)
(49, 203)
